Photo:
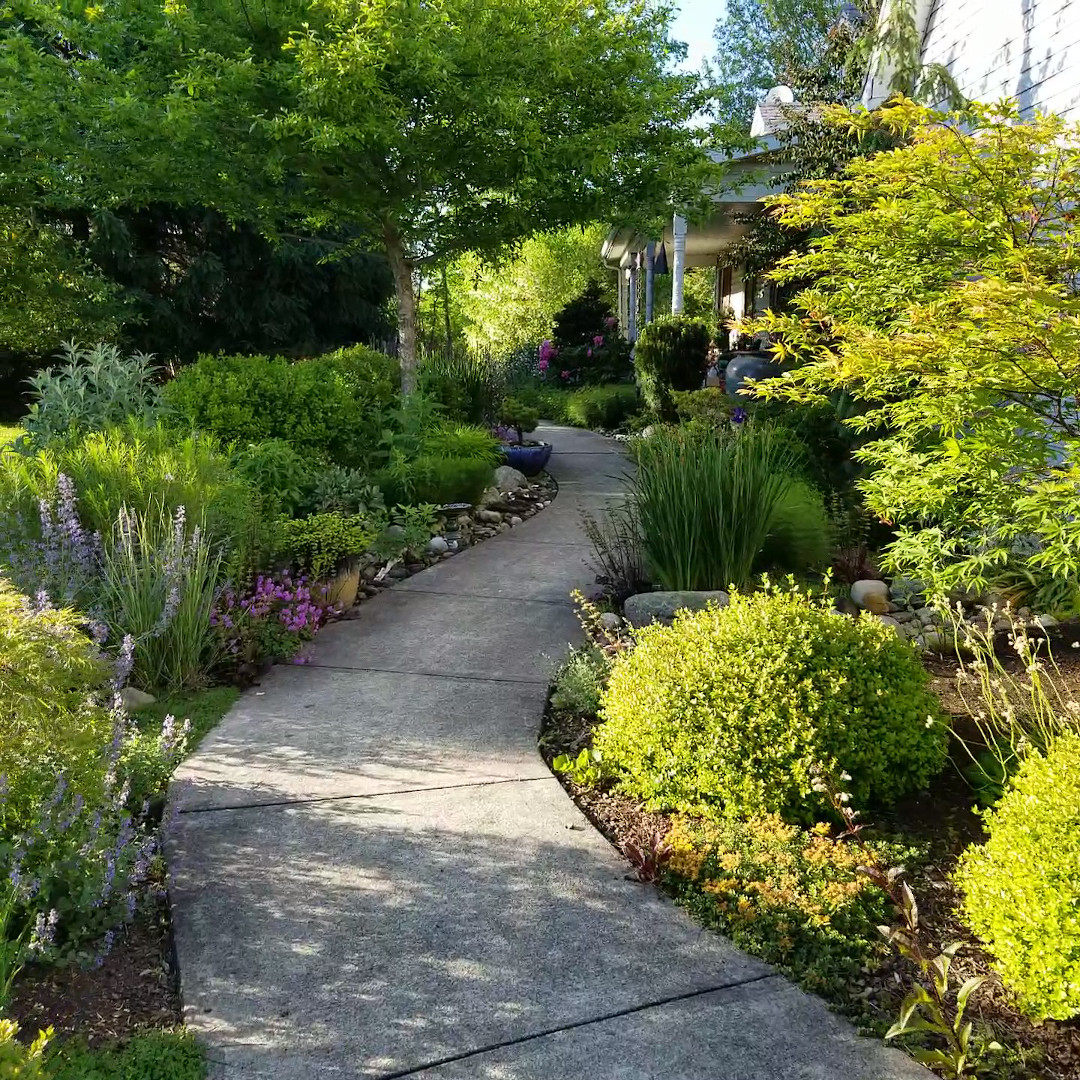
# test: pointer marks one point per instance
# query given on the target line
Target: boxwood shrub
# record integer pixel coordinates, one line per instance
(671, 354)
(730, 710)
(330, 407)
(1022, 887)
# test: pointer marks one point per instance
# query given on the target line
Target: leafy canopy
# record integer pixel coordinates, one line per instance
(942, 291)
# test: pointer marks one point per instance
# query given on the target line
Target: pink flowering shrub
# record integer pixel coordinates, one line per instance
(269, 624)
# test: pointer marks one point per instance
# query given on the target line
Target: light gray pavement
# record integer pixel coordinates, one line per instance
(373, 874)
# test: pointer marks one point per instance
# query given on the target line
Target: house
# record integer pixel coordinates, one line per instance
(993, 49)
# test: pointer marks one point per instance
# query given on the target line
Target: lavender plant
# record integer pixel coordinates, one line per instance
(159, 584)
(75, 845)
(60, 560)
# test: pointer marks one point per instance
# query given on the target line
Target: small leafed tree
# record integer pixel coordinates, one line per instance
(942, 291)
(464, 125)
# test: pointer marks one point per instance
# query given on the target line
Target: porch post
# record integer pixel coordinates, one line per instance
(650, 249)
(631, 313)
(678, 264)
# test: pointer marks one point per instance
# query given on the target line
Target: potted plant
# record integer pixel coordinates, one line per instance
(327, 548)
(517, 419)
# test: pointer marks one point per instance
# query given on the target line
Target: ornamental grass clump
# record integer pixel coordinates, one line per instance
(728, 711)
(706, 502)
(1022, 887)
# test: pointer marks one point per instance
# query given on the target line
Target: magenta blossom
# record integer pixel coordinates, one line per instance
(548, 352)
(598, 340)
(543, 364)
(564, 375)
(588, 352)
(611, 322)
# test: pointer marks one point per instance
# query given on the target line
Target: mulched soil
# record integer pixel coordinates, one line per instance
(943, 819)
(135, 987)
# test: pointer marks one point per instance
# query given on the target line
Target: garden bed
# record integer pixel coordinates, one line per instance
(939, 823)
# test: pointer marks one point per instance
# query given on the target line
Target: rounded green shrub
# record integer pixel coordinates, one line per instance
(1022, 887)
(280, 474)
(601, 406)
(330, 407)
(800, 534)
(731, 710)
(670, 355)
(436, 480)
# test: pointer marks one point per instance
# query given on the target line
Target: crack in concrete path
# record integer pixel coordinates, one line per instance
(308, 801)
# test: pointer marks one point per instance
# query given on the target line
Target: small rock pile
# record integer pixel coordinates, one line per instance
(902, 605)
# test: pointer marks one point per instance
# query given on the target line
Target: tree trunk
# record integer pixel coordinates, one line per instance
(402, 270)
(446, 312)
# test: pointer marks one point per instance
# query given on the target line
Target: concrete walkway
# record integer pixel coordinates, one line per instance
(375, 875)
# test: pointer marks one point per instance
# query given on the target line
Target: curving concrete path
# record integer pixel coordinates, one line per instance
(373, 874)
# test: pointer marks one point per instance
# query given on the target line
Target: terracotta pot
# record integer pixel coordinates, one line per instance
(342, 588)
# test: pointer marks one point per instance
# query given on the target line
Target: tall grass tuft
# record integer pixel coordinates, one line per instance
(706, 502)
(159, 586)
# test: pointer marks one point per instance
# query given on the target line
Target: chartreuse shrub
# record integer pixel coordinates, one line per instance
(21, 1060)
(730, 710)
(670, 355)
(147, 1055)
(329, 407)
(792, 896)
(141, 468)
(49, 720)
(74, 853)
(1022, 887)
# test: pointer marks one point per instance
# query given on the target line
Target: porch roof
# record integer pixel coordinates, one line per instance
(748, 178)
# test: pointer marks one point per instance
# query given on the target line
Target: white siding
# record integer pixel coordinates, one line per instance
(1023, 49)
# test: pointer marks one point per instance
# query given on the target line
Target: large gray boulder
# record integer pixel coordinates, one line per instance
(508, 479)
(650, 607)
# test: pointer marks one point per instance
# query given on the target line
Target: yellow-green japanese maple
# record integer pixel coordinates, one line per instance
(942, 292)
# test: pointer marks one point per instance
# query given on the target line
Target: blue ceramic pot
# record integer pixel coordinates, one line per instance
(749, 365)
(529, 460)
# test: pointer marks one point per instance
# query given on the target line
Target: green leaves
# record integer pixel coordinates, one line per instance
(938, 294)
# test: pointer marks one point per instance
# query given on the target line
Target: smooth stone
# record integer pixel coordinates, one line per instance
(515, 520)
(871, 596)
(646, 608)
(508, 479)
(489, 517)
(610, 621)
(438, 545)
(492, 497)
(903, 616)
(934, 642)
(927, 616)
(1045, 621)
(888, 620)
(133, 699)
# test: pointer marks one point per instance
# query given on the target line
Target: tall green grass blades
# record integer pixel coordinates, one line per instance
(159, 584)
(706, 502)
(468, 386)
